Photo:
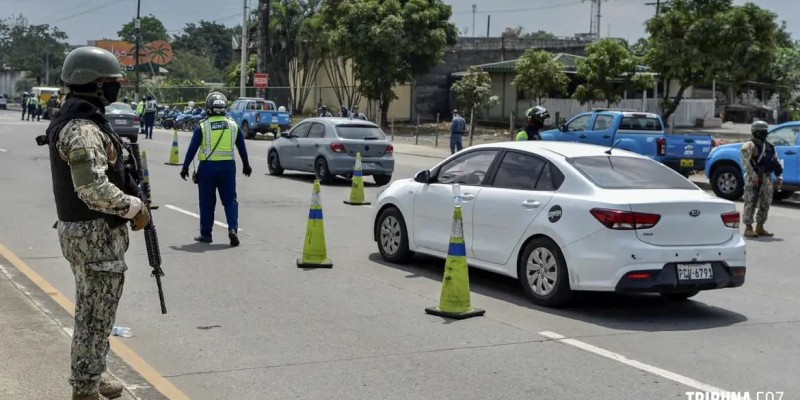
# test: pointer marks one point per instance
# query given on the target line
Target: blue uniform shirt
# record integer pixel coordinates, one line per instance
(197, 140)
(458, 125)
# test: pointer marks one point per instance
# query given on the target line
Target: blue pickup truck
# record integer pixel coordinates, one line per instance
(641, 133)
(726, 174)
(254, 115)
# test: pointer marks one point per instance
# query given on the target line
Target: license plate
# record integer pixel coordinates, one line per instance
(121, 121)
(368, 165)
(273, 126)
(693, 272)
(687, 163)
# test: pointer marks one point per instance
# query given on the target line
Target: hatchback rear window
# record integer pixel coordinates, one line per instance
(612, 172)
(359, 132)
(635, 123)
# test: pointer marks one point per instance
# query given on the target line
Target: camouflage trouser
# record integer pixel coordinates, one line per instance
(96, 255)
(751, 204)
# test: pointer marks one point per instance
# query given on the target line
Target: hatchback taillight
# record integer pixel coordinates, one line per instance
(661, 146)
(731, 219)
(337, 148)
(625, 220)
(137, 119)
(389, 149)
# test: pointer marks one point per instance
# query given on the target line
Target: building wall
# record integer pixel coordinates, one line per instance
(8, 82)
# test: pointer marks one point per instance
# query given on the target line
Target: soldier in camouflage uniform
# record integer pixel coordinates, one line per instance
(93, 211)
(759, 160)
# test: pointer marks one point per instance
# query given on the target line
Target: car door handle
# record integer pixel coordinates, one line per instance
(316, 145)
(791, 152)
(531, 204)
(606, 136)
(582, 136)
(467, 196)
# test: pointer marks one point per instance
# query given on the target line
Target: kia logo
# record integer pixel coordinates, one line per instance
(694, 213)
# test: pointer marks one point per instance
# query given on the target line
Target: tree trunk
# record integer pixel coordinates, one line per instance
(384, 105)
(471, 125)
(673, 105)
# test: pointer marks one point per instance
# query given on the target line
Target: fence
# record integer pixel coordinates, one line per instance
(684, 116)
(436, 131)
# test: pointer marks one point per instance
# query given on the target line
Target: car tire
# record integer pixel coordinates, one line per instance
(381, 180)
(679, 296)
(248, 134)
(727, 182)
(549, 267)
(274, 163)
(134, 138)
(781, 195)
(322, 172)
(393, 237)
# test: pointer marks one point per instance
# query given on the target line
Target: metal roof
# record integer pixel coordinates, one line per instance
(570, 62)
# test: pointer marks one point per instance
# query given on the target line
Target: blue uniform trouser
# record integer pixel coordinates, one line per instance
(149, 120)
(31, 112)
(455, 142)
(216, 176)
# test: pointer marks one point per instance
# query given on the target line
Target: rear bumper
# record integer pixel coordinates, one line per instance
(666, 280)
(343, 165)
(698, 164)
(266, 127)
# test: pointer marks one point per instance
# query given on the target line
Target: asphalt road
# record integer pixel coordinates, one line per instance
(245, 323)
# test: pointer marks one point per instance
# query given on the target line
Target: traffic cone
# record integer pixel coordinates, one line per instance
(357, 192)
(175, 154)
(314, 253)
(454, 301)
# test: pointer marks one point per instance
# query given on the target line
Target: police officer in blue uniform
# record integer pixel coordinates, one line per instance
(216, 138)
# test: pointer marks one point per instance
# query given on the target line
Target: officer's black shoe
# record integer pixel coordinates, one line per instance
(202, 239)
(233, 237)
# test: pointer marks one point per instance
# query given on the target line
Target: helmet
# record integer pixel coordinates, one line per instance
(216, 103)
(281, 109)
(759, 126)
(191, 104)
(88, 64)
(25, 94)
(538, 113)
(149, 97)
(324, 108)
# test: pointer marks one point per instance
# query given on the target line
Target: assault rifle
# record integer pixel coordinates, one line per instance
(139, 182)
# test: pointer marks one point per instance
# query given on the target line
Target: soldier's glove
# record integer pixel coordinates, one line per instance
(140, 220)
(184, 173)
(247, 170)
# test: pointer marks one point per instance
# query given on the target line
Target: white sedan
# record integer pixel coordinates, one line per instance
(562, 217)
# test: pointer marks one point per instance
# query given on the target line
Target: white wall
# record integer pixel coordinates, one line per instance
(8, 81)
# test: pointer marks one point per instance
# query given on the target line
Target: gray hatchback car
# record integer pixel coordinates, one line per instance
(328, 146)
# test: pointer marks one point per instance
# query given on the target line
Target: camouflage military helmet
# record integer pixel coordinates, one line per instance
(759, 126)
(88, 64)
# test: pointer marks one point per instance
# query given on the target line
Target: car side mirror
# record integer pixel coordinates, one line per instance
(563, 128)
(285, 134)
(423, 177)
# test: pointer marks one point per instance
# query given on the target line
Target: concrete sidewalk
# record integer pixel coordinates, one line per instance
(35, 344)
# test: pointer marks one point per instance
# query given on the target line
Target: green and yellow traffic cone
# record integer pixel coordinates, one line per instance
(357, 192)
(454, 301)
(175, 154)
(315, 254)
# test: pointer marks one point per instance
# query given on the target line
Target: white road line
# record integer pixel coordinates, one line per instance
(633, 363)
(191, 214)
(3, 151)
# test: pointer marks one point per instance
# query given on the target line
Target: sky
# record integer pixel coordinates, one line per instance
(85, 20)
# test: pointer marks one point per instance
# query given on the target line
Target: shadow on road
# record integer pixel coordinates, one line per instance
(337, 181)
(198, 247)
(649, 313)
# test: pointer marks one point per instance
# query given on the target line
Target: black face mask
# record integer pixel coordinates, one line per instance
(111, 91)
(760, 135)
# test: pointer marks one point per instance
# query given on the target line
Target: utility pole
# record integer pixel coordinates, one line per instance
(658, 5)
(136, 33)
(474, 8)
(47, 67)
(243, 65)
(599, 2)
(488, 24)
(263, 39)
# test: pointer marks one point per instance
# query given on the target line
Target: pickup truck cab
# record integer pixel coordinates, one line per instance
(639, 132)
(254, 115)
(726, 173)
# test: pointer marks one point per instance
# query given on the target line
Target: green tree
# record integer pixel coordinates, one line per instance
(640, 48)
(695, 42)
(389, 42)
(151, 29)
(539, 75)
(517, 33)
(608, 66)
(474, 92)
(208, 39)
(310, 55)
(188, 66)
(785, 74)
(38, 49)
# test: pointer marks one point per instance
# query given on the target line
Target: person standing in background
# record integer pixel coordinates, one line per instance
(457, 128)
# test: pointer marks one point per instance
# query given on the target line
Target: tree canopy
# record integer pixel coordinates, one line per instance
(539, 75)
(151, 29)
(206, 39)
(608, 66)
(474, 93)
(518, 33)
(36, 48)
(389, 42)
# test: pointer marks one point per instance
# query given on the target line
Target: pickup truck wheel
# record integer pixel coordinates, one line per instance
(322, 172)
(727, 182)
(248, 134)
(781, 195)
(274, 164)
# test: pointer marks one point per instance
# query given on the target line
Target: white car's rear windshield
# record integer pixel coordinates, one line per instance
(359, 132)
(637, 123)
(611, 172)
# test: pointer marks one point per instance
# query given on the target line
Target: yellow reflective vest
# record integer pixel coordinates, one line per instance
(140, 108)
(218, 132)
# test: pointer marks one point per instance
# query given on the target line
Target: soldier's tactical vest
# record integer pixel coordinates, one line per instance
(69, 206)
(765, 161)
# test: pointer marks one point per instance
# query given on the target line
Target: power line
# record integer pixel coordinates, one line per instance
(521, 9)
(95, 8)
